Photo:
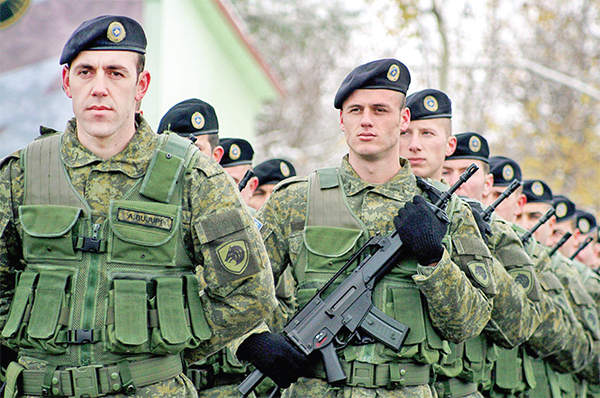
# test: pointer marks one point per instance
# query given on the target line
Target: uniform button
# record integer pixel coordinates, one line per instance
(402, 372)
(55, 391)
(114, 375)
(402, 382)
(116, 387)
(54, 380)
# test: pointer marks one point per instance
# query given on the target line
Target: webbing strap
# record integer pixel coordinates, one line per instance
(106, 379)
(46, 181)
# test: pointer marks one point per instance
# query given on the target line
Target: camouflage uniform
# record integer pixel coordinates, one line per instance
(456, 309)
(514, 318)
(212, 214)
(554, 358)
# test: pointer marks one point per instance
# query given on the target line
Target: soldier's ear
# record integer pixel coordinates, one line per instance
(66, 84)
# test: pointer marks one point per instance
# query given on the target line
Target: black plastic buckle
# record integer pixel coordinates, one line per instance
(81, 336)
(90, 244)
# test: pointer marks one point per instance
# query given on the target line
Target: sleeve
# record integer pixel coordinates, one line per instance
(514, 316)
(460, 289)
(457, 309)
(10, 248)
(233, 266)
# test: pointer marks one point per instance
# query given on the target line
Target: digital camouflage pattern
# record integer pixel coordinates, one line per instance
(457, 309)
(515, 317)
(233, 304)
(319, 388)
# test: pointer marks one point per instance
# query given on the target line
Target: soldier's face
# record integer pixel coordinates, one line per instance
(425, 144)
(238, 173)
(261, 195)
(531, 214)
(557, 233)
(371, 121)
(104, 87)
(477, 186)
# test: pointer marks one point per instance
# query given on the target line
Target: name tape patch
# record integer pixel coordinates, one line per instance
(146, 219)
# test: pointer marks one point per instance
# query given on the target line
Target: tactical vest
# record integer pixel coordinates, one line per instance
(95, 293)
(547, 382)
(332, 234)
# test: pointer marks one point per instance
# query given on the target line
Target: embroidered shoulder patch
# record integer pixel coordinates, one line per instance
(233, 256)
(480, 273)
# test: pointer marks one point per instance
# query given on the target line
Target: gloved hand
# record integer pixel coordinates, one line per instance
(275, 357)
(421, 230)
(484, 228)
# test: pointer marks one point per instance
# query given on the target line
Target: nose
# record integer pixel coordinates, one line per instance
(99, 88)
(414, 144)
(366, 120)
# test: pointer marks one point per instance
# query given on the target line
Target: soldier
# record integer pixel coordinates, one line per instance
(269, 174)
(315, 224)
(555, 361)
(538, 200)
(586, 228)
(237, 161)
(514, 316)
(196, 120)
(504, 171)
(120, 249)
(565, 222)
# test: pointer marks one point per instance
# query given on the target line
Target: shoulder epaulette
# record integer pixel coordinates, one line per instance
(205, 164)
(289, 181)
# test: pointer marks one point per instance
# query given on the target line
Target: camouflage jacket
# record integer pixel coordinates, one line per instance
(515, 316)
(457, 309)
(233, 303)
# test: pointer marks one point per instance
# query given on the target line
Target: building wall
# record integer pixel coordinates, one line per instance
(193, 52)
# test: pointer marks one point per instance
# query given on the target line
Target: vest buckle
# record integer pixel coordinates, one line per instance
(81, 336)
(89, 244)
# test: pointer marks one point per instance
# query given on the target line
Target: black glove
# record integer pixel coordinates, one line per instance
(421, 230)
(275, 357)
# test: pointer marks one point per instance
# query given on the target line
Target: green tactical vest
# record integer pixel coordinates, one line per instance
(547, 382)
(332, 234)
(95, 293)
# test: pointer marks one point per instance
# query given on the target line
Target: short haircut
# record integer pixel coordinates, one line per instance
(213, 140)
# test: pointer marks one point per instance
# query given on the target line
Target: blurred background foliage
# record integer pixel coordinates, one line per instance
(525, 74)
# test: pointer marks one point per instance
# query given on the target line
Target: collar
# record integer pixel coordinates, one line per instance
(132, 161)
(403, 183)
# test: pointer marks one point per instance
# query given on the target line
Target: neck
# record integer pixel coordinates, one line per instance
(106, 147)
(375, 171)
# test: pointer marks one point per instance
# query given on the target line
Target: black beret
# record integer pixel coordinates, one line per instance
(191, 116)
(273, 171)
(565, 208)
(107, 32)
(429, 104)
(586, 222)
(389, 74)
(237, 151)
(505, 170)
(537, 191)
(471, 146)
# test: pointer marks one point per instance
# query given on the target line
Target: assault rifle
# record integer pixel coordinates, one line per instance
(525, 238)
(561, 242)
(487, 213)
(349, 307)
(581, 247)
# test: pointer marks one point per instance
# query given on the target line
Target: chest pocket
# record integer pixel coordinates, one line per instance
(48, 232)
(328, 248)
(143, 233)
(585, 307)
